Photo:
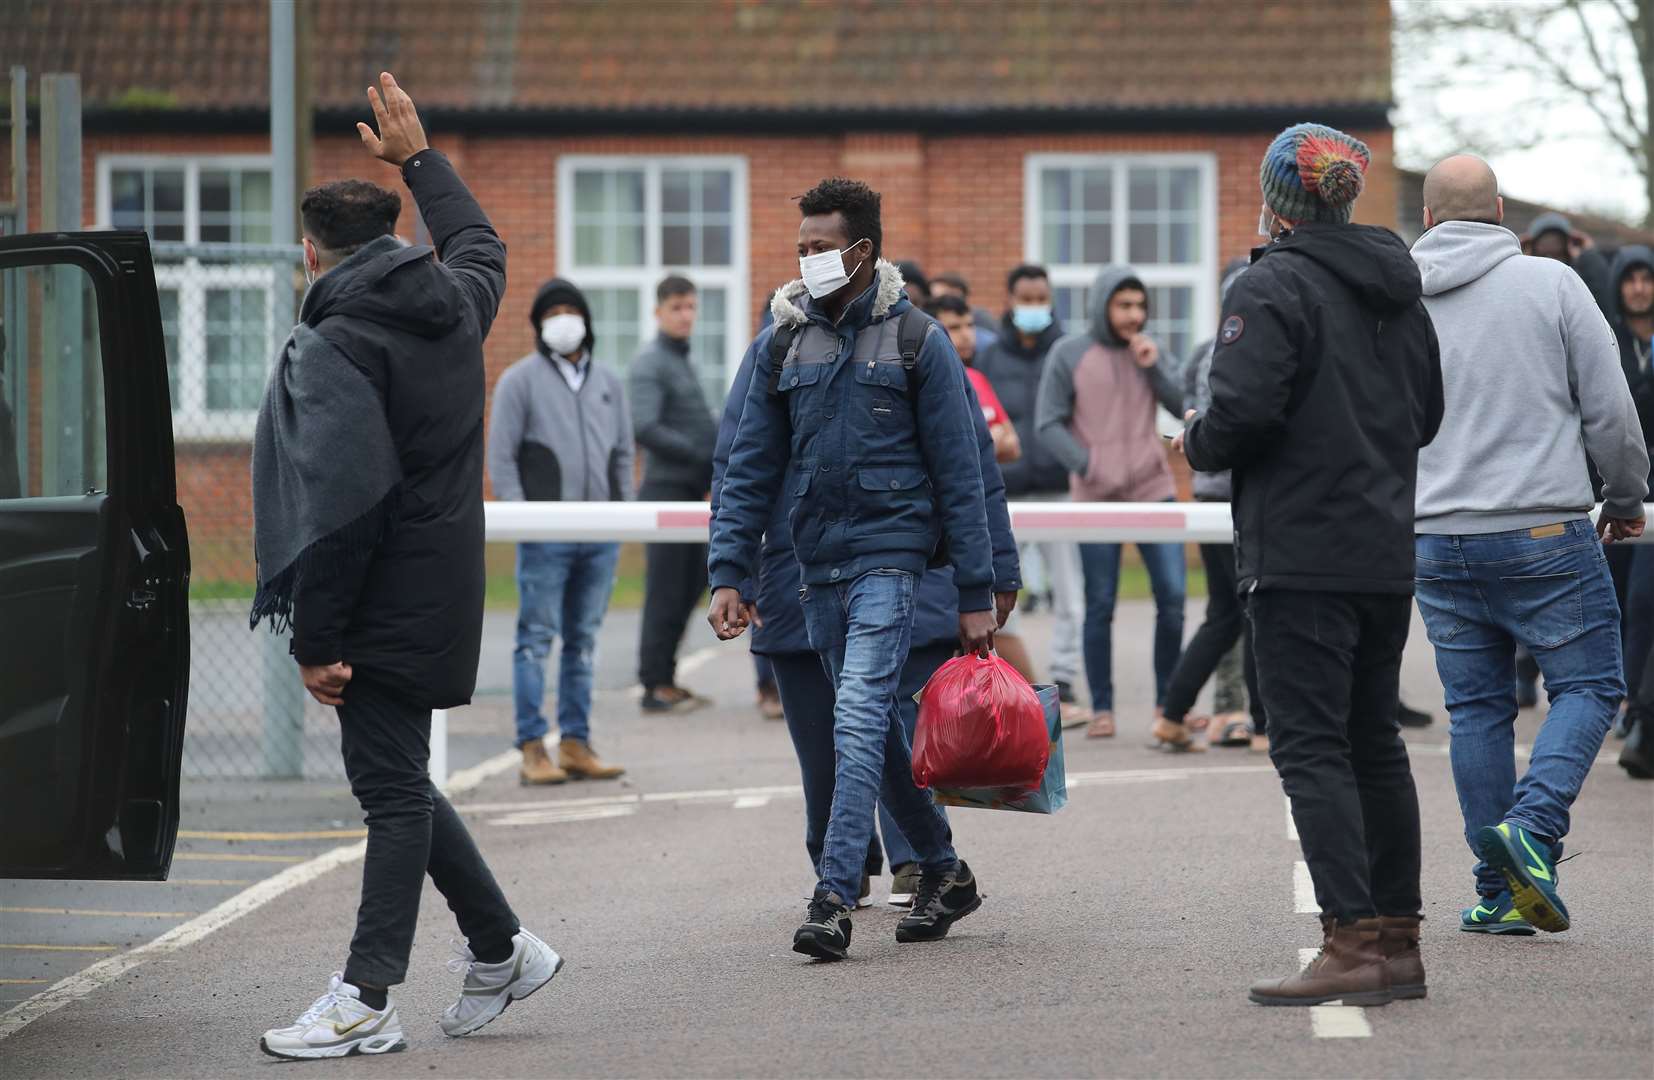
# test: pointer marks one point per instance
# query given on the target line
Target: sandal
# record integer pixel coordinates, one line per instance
(1174, 737)
(1235, 732)
(1102, 725)
(1198, 722)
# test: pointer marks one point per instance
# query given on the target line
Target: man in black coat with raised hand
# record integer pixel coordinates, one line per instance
(1326, 380)
(368, 528)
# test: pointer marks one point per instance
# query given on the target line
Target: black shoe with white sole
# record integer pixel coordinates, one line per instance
(825, 934)
(944, 897)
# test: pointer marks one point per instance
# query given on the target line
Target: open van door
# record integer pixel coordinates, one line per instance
(94, 563)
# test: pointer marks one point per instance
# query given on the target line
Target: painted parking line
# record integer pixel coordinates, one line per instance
(558, 817)
(1335, 1021)
(22, 982)
(178, 881)
(315, 834)
(98, 913)
(1291, 825)
(61, 948)
(226, 856)
(1303, 890)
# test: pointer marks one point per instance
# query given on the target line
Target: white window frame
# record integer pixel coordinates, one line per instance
(192, 421)
(1200, 275)
(733, 279)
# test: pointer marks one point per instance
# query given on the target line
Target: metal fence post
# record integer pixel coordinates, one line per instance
(283, 693)
(72, 425)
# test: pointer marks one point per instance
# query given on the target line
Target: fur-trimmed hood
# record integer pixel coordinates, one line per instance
(785, 304)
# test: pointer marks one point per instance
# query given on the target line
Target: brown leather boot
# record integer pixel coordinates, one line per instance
(576, 756)
(1398, 935)
(537, 767)
(1350, 969)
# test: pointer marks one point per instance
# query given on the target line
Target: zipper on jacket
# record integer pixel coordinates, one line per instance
(580, 426)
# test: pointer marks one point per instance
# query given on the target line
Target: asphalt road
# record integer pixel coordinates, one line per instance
(1117, 938)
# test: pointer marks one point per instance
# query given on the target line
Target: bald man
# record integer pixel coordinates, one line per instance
(1506, 552)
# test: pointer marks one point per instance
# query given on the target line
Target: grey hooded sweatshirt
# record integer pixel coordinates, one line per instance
(1096, 408)
(1532, 383)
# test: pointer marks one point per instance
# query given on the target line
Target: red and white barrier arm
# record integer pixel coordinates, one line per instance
(686, 522)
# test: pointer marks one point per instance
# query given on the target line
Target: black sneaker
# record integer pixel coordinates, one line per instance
(944, 897)
(825, 934)
(1413, 718)
(1065, 693)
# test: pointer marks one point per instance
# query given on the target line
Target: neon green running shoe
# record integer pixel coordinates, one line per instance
(1494, 916)
(1525, 861)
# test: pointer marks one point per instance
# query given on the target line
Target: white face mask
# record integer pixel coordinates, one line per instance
(1266, 223)
(823, 272)
(563, 334)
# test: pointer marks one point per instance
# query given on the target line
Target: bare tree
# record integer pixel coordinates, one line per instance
(1561, 52)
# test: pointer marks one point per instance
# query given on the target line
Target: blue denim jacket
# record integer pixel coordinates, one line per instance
(775, 590)
(874, 480)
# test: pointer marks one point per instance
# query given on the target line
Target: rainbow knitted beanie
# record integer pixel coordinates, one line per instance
(1312, 172)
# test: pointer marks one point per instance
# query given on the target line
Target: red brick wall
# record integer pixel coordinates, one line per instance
(953, 203)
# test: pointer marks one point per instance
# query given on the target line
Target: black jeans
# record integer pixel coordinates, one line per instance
(1329, 668)
(674, 577)
(412, 831)
(1225, 624)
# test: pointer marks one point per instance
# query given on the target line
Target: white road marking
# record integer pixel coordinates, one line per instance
(1335, 1020)
(1291, 826)
(74, 987)
(1303, 890)
(750, 802)
(558, 817)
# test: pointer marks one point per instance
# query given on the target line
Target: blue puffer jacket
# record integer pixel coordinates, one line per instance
(876, 480)
(935, 603)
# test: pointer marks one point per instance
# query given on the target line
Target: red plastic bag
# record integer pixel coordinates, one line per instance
(980, 725)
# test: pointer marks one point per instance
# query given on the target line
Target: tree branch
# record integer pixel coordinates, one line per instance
(1610, 72)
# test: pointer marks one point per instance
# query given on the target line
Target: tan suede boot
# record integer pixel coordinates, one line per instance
(577, 756)
(1399, 938)
(537, 767)
(1350, 969)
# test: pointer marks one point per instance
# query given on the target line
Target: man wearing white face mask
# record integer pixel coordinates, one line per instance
(560, 430)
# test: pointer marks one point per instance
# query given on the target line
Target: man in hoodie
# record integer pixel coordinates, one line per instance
(368, 526)
(675, 426)
(873, 434)
(1096, 415)
(1633, 279)
(1325, 382)
(1014, 364)
(560, 430)
(1552, 236)
(1506, 549)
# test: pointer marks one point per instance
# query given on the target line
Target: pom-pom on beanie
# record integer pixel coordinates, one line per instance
(1312, 172)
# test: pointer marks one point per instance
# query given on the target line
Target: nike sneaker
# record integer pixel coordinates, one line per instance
(1494, 915)
(1526, 863)
(490, 988)
(944, 897)
(337, 1024)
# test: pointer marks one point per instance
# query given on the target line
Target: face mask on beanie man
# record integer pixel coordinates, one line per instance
(563, 334)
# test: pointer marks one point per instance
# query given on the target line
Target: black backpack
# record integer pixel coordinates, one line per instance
(911, 329)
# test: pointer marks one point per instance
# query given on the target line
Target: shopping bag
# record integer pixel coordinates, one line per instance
(1048, 798)
(980, 725)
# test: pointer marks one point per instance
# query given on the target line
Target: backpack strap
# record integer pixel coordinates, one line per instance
(781, 343)
(911, 331)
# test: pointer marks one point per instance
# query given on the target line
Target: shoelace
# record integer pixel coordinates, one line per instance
(822, 909)
(335, 994)
(460, 963)
(930, 888)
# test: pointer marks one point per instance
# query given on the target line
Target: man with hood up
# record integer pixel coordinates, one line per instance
(1633, 278)
(873, 434)
(1096, 413)
(1552, 236)
(560, 430)
(1506, 549)
(368, 528)
(1325, 382)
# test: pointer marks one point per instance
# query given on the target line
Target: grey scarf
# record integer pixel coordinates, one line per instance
(325, 473)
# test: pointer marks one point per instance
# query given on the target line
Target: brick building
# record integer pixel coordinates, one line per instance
(613, 142)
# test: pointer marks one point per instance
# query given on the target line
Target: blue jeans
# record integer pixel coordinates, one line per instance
(1480, 596)
(861, 630)
(1167, 572)
(563, 591)
(921, 665)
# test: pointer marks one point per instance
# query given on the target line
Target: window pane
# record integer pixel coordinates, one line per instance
(693, 206)
(675, 191)
(588, 193)
(1099, 243)
(674, 245)
(709, 343)
(588, 245)
(126, 199)
(216, 207)
(717, 191)
(49, 315)
(715, 249)
(608, 205)
(1171, 318)
(254, 212)
(1183, 243)
(1097, 190)
(1185, 189)
(1068, 306)
(1054, 188)
(616, 314)
(237, 347)
(169, 334)
(1143, 188)
(166, 204)
(1056, 248)
(1144, 244)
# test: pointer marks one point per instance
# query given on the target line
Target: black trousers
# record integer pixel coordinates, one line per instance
(674, 578)
(1225, 624)
(1329, 668)
(412, 831)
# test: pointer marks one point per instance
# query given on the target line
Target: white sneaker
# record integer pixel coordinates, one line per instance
(337, 1025)
(489, 988)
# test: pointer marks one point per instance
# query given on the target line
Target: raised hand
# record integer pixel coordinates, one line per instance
(401, 136)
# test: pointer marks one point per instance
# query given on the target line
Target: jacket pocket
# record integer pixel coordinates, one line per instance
(539, 472)
(894, 503)
(1550, 607)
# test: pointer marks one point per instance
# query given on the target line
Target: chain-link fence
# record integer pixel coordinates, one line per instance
(225, 310)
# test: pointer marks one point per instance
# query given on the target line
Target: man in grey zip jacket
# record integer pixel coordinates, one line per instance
(560, 431)
(1506, 552)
